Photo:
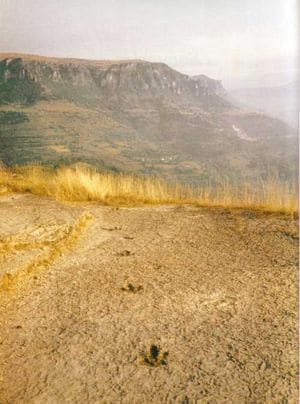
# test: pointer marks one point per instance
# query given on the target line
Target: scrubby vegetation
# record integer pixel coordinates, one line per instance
(81, 183)
(12, 117)
(15, 84)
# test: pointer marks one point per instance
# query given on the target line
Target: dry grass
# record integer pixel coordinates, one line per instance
(80, 183)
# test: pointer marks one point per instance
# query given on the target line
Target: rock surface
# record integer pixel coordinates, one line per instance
(151, 304)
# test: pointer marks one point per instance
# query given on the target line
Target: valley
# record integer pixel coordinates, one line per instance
(135, 117)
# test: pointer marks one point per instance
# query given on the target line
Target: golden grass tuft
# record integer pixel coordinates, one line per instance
(80, 183)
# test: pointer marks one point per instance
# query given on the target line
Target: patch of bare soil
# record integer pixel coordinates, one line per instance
(146, 305)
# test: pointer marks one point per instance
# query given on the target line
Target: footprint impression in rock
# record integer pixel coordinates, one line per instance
(125, 253)
(131, 288)
(155, 357)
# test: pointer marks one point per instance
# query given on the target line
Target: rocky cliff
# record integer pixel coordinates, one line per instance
(27, 79)
(211, 85)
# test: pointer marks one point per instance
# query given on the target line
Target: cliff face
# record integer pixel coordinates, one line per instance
(213, 85)
(26, 80)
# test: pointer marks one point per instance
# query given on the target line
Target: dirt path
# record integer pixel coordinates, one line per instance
(146, 305)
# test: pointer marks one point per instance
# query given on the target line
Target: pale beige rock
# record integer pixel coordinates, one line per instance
(214, 290)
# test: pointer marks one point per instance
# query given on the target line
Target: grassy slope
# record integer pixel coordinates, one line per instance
(174, 146)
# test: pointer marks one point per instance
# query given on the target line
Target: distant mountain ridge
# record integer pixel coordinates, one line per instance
(281, 102)
(130, 78)
(136, 116)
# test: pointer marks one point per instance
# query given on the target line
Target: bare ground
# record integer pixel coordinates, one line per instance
(146, 305)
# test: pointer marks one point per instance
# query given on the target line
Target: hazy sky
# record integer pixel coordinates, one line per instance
(239, 41)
